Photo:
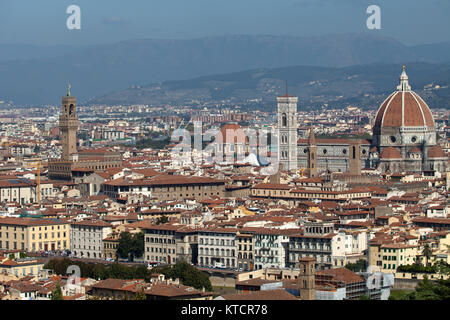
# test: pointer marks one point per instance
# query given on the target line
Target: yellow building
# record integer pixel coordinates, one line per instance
(32, 234)
(110, 245)
(395, 254)
(21, 267)
(240, 212)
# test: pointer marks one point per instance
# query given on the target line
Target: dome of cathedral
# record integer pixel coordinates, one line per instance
(231, 133)
(404, 108)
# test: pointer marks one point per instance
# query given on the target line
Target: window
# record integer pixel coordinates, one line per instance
(284, 120)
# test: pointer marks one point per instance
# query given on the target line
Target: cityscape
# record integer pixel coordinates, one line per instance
(327, 186)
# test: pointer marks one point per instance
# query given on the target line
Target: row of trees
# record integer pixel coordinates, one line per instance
(440, 267)
(152, 143)
(187, 273)
(99, 271)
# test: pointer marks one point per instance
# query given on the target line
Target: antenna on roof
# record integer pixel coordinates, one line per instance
(286, 87)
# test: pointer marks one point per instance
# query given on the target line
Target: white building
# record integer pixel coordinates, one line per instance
(271, 246)
(217, 247)
(86, 238)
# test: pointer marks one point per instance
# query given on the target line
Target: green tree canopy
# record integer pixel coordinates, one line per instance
(162, 219)
(57, 293)
(99, 270)
(358, 266)
(130, 246)
(427, 290)
(427, 253)
(140, 295)
(188, 275)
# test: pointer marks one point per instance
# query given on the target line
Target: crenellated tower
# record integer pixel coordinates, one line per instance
(68, 126)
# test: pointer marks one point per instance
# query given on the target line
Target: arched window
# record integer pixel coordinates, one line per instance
(284, 120)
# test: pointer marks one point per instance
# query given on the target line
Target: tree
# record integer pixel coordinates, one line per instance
(140, 295)
(427, 252)
(358, 266)
(130, 246)
(162, 220)
(427, 290)
(364, 297)
(99, 270)
(124, 246)
(57, 293)
(137, 248)
(424, 291)
(188, 275)
(442, 267)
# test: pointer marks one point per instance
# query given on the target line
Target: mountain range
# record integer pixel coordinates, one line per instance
(37, 75)
(362, 85)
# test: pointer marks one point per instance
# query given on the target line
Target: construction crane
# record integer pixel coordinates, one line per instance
(37, 164)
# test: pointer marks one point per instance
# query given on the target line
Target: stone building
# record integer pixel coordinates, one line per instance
(217, 246)
(404, 133)
(404, 140)
(316, 155)
(86, 238)
(72, 159)
(33, 234)
(166, 187)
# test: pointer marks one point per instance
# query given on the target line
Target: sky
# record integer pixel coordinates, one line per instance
(105, 21)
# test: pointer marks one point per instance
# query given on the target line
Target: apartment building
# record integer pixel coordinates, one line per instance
(245, 246)
(18, 190)
(355, 247)
(86, 238)
(397, 254)
(271, 246)
(296, 195)
(32, 234)
(161, 243)
(20, 267)
(110, 245)
(186, 240)
(217, 247)
(319, 242)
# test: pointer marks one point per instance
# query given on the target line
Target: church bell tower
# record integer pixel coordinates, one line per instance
(68, 126)
(312, 154)
(287, 131)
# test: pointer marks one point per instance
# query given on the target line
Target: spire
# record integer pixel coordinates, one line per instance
(68, 90)
(404, 84)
